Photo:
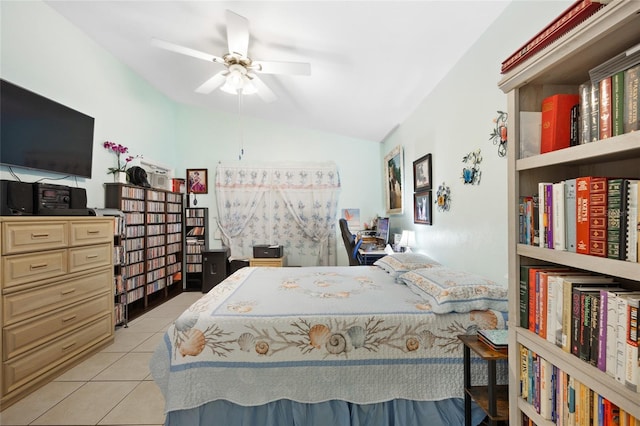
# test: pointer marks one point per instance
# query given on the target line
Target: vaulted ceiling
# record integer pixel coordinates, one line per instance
(372, 62)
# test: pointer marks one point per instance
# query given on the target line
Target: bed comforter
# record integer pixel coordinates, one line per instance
(311, 335)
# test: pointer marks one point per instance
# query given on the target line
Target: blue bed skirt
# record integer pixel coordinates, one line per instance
(400, 412)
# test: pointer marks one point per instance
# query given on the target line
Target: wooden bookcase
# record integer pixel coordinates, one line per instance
(563, 66)
(153, 243)
(196, 232)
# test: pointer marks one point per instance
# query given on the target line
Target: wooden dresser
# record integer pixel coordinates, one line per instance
(57, 297)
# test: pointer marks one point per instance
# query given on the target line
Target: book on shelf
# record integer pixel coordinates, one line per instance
(567, 20)
(584, 92)
(632, 243)
(570, 214)
(556, 121)
(632, 358)
(622, 326)
(558, 211)
(598, 216)
(574, 129)
(605, 130)
(617, 103)
(621, 62)
(631, 99)
(583, 184)
(617, 218)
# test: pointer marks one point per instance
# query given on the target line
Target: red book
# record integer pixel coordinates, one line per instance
(556, 121)
(606, 123)
(582, 214)
(567, 20)
(598, 213)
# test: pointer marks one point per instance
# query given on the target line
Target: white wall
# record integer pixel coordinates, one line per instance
(453, 120)
(43, 52)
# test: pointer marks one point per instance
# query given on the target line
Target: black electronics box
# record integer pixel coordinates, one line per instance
(268, 251)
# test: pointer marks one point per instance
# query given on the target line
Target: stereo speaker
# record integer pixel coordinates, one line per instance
(77, 198)
(16, 198)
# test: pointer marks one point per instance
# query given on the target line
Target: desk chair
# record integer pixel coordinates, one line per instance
(349, 242)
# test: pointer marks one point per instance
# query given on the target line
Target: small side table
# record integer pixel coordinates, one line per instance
(492, 398)
(277, 262)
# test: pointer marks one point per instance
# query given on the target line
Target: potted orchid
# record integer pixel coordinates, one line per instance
(119, 172)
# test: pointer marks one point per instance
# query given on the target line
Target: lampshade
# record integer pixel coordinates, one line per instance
(408, 240)
(238, 80)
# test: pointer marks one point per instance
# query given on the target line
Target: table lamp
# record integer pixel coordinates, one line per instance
(408, 240)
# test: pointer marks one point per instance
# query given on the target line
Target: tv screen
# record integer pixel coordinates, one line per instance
(38, 133)
(382, 231)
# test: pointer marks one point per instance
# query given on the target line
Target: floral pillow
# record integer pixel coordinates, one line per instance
(447, 290)
(398, 263)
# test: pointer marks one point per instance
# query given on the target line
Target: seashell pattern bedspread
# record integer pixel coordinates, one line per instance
(314, 334)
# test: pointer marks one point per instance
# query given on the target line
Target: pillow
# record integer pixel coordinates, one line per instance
(399, 263)
(447, 290)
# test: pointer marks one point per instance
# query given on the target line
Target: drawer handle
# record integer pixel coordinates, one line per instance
(68, 291)
(93, 232)
(68, 345)
(38, 266)
(92, 256)
(69, 318)
(44, 235)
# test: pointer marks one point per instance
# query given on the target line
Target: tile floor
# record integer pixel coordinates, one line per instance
(113, 387)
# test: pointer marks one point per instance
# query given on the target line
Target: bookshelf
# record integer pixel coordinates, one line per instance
(152, 242)
(196, 232)
(563, 66)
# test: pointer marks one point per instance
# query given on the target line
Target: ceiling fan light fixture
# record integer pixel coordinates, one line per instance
(237, 81)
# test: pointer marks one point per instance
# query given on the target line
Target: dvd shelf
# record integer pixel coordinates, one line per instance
(561, 68)
(196, 242)
(152, 260)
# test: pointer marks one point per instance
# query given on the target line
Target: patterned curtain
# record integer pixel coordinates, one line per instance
(291, 204)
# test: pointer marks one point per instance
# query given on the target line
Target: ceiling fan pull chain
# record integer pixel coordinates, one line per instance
(240, 124)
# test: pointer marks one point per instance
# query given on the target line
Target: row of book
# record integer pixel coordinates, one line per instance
(563, 399)
(590, 316)
(598, 216)
(605, 106)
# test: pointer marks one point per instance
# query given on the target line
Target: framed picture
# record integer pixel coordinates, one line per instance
(197, 181)
(422, 207)
(393, 172)
(422, 173)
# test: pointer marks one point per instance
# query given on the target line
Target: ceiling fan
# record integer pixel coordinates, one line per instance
(240, 73)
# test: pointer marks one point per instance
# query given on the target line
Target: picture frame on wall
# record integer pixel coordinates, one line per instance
(422, 208)
(394, 180)
(197, 181)
(422, 173)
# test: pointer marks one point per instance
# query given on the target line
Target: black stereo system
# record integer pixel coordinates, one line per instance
(268, 251)
(21, 198)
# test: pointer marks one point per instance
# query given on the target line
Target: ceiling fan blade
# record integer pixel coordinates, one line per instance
(290, 68)
(185, 50)
(213, 83)
(263, 90)
(237, 33)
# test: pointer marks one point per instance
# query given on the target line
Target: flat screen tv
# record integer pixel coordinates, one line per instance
(38, 133)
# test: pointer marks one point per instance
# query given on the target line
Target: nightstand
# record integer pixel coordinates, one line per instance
(276, 262)
(492, 398)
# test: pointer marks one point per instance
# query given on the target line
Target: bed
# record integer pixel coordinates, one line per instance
(319, 345)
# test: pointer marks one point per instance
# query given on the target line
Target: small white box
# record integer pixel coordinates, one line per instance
(530, 133)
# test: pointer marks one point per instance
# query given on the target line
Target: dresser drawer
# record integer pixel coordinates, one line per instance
(30, 366)
(24, 237)
(25, 304)
(91, 232)
(82, 258)
(32, 333)
(23, 268)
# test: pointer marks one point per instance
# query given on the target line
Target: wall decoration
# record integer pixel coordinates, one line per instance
(197, 181)
(352, 216)
(499, 133)
(471, 173)
(422, 173)
(394, 175)
(443, 198)
(422, 207)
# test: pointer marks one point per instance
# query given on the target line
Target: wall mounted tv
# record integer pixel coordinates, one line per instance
(38, 133)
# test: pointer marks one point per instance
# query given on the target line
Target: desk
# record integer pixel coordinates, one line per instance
(369, 257)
